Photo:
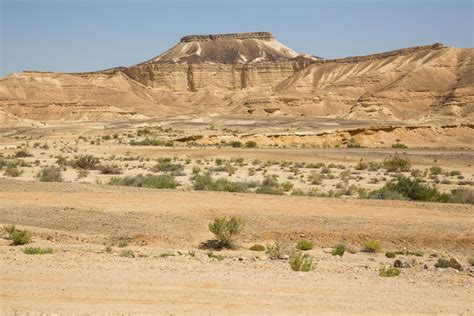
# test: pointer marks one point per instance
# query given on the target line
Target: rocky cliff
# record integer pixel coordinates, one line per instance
(251, 74)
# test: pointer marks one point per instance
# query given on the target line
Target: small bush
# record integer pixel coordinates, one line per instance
(300, 262)
(12, 171)
(279, 250)
(37, 250)
(18, 237)
(236, 144)
(86, 162)
(148, 181)
(339, 250)
(390, 254)
(389, 271)
(250, 144)
(471, 261)
(166, 255)
(109, 169)
(257, 247)
(211, 255)
(122, 243)
(226, 229)
(462, 195)
(165, 165)
(50, 174)
(371, 246)
(305, 244)
(207, 183)
(435, 170)
(270, 190)
(397, 164)
(23, 154)
(399, 145)
(127, 254)
(442, 263)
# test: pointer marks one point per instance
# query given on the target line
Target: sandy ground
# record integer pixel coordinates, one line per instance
(77, 220)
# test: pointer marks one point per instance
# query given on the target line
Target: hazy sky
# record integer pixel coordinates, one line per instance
(83, 35)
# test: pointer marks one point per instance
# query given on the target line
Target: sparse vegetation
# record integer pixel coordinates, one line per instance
(50, 174)
(109, 169)
(147, 181)
(122, 243)
(86, 162)
(18, 236)
(278, 250)
(442, 263)
(339, 249)
(257, 247)
(226, 229)
(37, 250)
(304, 244)
(389, 271)
(397, 164)
(212, 255)
(371, 246)
(390, 254)
(300, 262)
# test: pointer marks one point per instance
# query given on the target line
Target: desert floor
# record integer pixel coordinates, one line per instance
(167, 272)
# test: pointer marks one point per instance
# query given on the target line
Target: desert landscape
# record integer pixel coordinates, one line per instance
(234, 175)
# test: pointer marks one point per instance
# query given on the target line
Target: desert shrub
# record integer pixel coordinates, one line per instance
(471, 261)
(300, 262)
(389, 271)
(12, 171)
(361, 166)
(269, 190)
(257, 247)
(371, 246)
(166, 255)
(287, 186)
(390, 254)
(37, 250)
(207, 183)
(462, 195)
(304, 244)
(165, 165)
(315, 178)
(399, 145)
(455, 173)
(23, 154)
(250, 144)
(236, 144)
(339, 249)
(147, 181)
(127, 254)
(278, 250)
(226, 229)
(18, 236)
(122, 243)
(396, 164)
(109, 169)
(196, 169)
(50, 174)
(212, 255)
(409, 189)
(435, 170)
(442, 263)
(87, 162)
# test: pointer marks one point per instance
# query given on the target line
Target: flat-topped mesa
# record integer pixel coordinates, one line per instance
(217, 37)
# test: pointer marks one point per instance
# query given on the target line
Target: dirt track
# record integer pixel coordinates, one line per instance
(76, 220)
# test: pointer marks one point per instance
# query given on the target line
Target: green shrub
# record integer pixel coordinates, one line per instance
(287, 186)
(196, 169)
(361, 166)
(109, 169)
(211, 255)
(18, 237)
(122, 243)
(442, 263)
(37, 250)
(226, 229)
(236, 144)
(390, 254)
(50, 174)
(389, 271)
(435, 170)
(257, 247)
(87, 162)
(207, 183)
(471, 261)
(399, 145)
(148, 181)
(23, 154)
(278, 250)
(304, 244)
(250, 144)
(371, 246)
(300, 262)
(165, 165)
(339, 249)
(166, 255)
(410, 189)
(270, 190)
(396, 164)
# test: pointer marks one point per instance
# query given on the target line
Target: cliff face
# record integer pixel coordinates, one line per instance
(252, 74)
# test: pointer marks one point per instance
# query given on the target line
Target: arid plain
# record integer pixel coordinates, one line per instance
(352, 180)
